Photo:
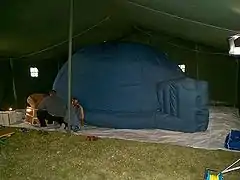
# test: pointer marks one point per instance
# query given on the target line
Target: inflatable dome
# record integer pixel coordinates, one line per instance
(132, 86)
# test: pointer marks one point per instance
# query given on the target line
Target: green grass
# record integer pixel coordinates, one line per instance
(58, 156)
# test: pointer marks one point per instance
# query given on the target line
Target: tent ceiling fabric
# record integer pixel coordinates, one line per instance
(29, 26)
(207, 22)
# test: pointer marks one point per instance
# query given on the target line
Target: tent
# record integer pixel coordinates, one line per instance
(48, 23)
(36, 34)
(132, 86)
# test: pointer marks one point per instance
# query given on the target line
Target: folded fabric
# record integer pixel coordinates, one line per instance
(232, 141)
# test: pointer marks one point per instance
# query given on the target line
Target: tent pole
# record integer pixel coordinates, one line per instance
(70, 64)
(13, 81)
(58, 68)
(236, 84)
(237, 87)
(197, 70)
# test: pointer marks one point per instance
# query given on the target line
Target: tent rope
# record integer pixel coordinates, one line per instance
(184, 19)
(182, 47)
(65, 41)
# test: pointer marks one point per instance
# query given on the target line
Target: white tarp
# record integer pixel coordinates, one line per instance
(222, 120)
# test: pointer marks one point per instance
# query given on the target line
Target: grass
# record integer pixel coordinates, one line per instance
(57, 156)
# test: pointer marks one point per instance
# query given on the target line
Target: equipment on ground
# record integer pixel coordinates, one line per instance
(31, 111)
(213, 175)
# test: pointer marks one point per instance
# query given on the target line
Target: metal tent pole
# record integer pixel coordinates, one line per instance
(70, 64)
(13, 82)
(197, 70)
(236, 84)
(237, 88)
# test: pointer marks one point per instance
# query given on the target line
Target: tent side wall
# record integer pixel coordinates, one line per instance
(24, 83)
(6, 93)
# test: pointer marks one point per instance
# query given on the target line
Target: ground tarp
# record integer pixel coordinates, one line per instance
(222, 120)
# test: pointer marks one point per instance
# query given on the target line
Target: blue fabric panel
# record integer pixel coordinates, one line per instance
(121, 120)
(233, 140)
(129, 85)
(183, 105)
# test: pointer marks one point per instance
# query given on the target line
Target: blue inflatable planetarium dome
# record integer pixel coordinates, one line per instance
(133, 86)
